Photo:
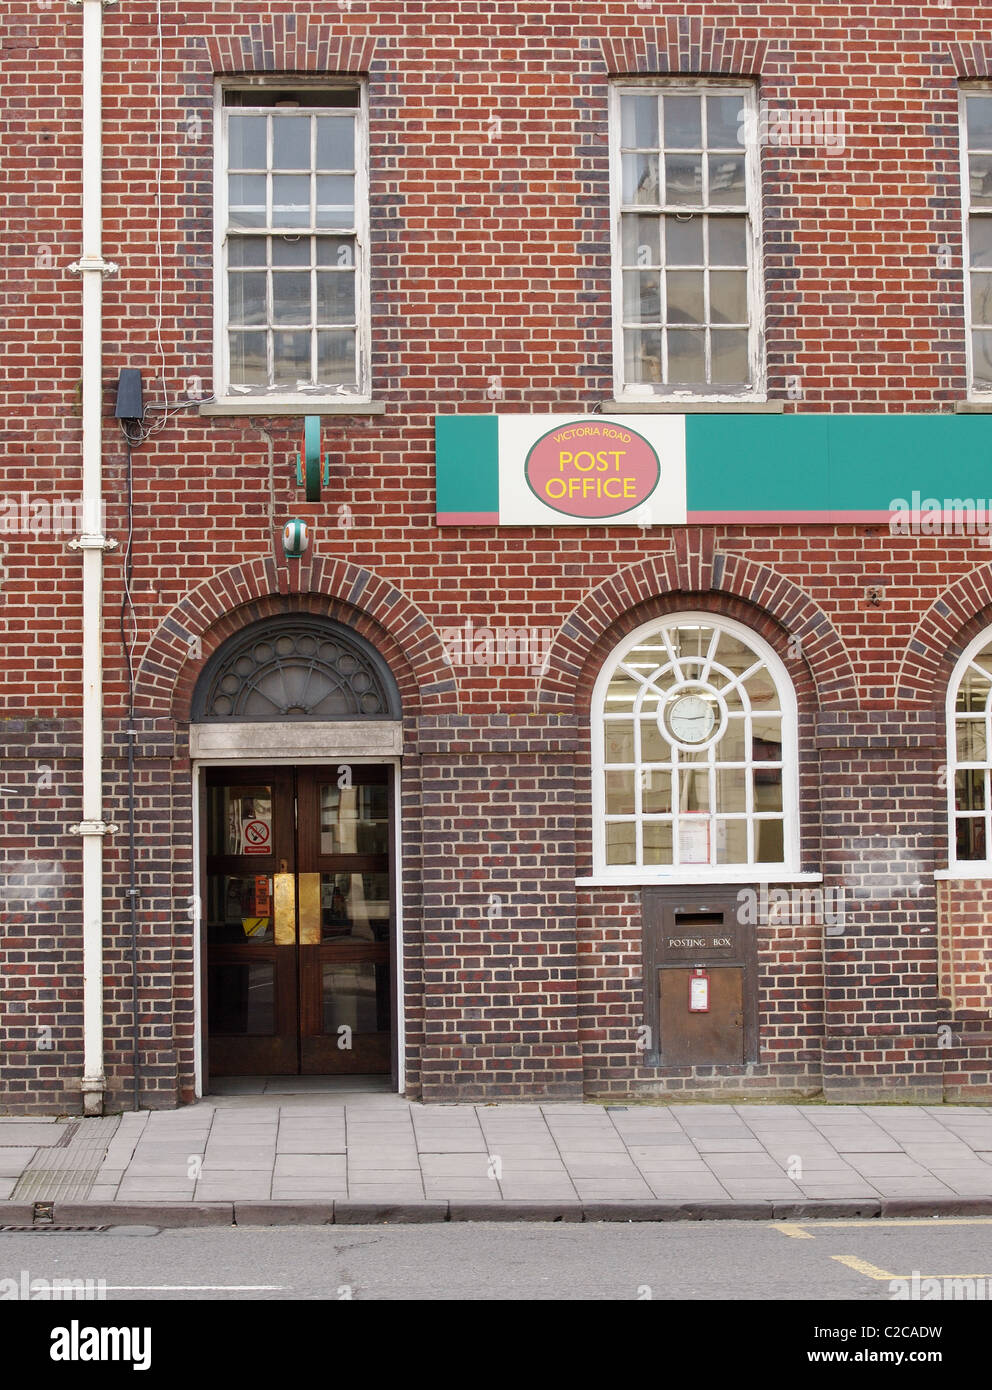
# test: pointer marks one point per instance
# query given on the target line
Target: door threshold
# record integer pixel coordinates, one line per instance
(297, 1085)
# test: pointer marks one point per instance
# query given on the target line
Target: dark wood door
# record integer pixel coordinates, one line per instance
(251, 923)
(346, 914)
(299, 914)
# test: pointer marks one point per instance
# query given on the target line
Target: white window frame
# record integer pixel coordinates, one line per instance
(789, 868)
(965, 90)
(647, 391)
(966, 868)
(361, 394)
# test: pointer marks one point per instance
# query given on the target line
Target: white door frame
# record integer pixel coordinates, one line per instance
(254, 753)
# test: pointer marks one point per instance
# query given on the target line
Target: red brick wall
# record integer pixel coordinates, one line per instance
(490, 261)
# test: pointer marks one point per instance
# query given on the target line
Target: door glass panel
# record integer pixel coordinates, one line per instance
(354, 820)
(240, 821)
(242, 998)
(239, 909)
(354, 907)
(355, 994)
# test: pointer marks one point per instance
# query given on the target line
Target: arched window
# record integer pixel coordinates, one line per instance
(695, 768)
(969, 709)
(301, 666)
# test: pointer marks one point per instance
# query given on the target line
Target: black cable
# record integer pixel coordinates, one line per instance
(132, 892)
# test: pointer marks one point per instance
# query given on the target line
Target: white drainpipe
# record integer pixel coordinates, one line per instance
(92, 543)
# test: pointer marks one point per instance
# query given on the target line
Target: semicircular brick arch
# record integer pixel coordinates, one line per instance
(227, 602)
(952, 621)
(687, 575)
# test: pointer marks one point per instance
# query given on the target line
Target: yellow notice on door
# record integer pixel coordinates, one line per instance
(255, 926)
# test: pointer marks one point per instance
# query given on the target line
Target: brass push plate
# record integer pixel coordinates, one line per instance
(309, 909)
(285, 909)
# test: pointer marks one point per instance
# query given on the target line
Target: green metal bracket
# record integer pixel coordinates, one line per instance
(311, 460)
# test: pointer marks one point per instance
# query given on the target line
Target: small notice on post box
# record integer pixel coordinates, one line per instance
(699, 992)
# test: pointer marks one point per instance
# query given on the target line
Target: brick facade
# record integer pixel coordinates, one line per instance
(491, 263)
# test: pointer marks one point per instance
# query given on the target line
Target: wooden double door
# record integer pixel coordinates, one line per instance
(299, 911)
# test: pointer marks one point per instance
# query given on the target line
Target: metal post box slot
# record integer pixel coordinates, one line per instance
(700, 979)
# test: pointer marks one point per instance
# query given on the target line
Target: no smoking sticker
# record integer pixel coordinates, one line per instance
(256, 835)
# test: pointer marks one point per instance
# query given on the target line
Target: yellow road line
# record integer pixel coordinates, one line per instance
(789, 1228)
(863, 1267)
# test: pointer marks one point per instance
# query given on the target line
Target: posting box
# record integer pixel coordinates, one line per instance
(700, 978)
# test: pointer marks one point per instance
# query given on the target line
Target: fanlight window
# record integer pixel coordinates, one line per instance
(696, 751)
(305, 668)
(969, 713)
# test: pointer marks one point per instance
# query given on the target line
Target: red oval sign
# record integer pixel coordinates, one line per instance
(592, 468)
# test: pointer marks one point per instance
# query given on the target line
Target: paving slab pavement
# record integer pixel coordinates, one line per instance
(338, 1153)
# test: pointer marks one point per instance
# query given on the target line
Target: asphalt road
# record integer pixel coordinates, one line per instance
(712, 1260)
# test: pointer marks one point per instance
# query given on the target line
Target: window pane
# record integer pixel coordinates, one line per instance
(728, 296)
(290, 200)
(336, 297)
(728, 357)
(979, 117)
(246, 250)
(621, 845)
(248, 359)
(684, 179)
(335, 142)
(969, 790)
(290, 250)
(724, 122)
(620, 793)
(685, 297)
(970, 835)
(291, 142)
(694, 789)
(621, 693)
(981, 357)
(292, 359)
(640, 178)
(291, 297)
(642, 296)
(335, 200)
(728, 241)
(769, 841)
(336, 251)
(731, 842)
(973, 691)
(768, 789)
(656, 791)
(761, 689)
(971, 740)
(684, 240)
(731, 787)
(980, 242)
(727, 179)
(683, 123)
(981, 298)
(686, 361)
(640, 240)
(639, 122)
(658, 842)
(980, 179)
(642, 355)
(336, 356)
(246, 142)
(246, 200)
(354, 995)
(242, 999)
(246, 297)
(619, 741)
